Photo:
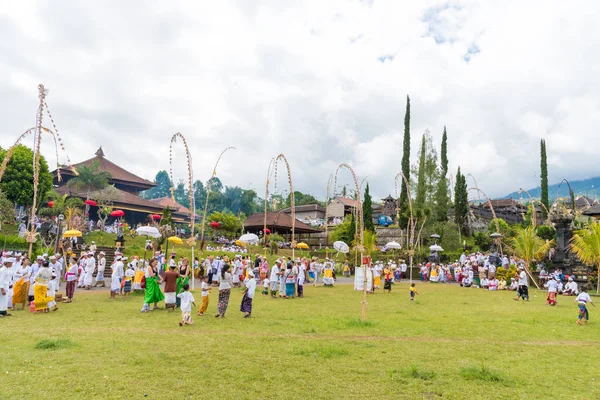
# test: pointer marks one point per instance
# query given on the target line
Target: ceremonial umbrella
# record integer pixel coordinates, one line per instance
(72, 233)
(117, 213)
(436, 247)
(341, 247)
(267, 231)
(50, 204)
(302, 245)
(155, 217)
(91, 203)
(393, 245)
(175, 240)
(249, 238)
(148, 231)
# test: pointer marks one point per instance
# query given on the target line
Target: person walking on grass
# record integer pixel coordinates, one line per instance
(171, 277)
(246, 306)
(225, 285)
(274, 278)
(413, 291)
(205, 298)
(101, 267)
(523, 291)
(552, 290)
(582, 301)
(116, 276)
(187, 299)
(152, 292)
(6, 276)
(388, 278)
(71, 278)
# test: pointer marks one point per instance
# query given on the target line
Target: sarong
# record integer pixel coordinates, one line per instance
(274, 286)
(223, 301)
(204, 305)
(71, 289)
(377, 281)
(289, 289)
(153, 293)
(246, 305)
(20, 290)
(583, 312)
(387, 285)
(551, 299)
(40, 298)
(523, 292)
(127, 286)
(100, 276)
(137, 280)
(170, 297)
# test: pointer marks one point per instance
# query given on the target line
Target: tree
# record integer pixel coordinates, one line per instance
(344, 231)
(250, 203)
(105, 199)
(182, 195)
(368, 211)
(301, 199)
(544, 177)
(528, 246)
(421, 190)
(199, 195)
(162, 188)
(461, 200)
(441, 195)
(586, 245)
(231, 225)
(7, 210)
(90, 179)
(404, 206)
(17, 181)
(505, 229)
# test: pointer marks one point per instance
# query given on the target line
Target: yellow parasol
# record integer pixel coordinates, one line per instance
(72, 233)
(302, 246)
(175, 240)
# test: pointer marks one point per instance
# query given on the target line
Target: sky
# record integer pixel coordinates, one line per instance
(323, 82)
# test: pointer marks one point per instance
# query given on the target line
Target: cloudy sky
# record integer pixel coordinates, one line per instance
(323, 82)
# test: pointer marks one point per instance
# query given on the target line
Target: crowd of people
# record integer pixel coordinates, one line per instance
(38, 284)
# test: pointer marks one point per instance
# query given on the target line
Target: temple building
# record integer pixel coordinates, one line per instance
(128, 186)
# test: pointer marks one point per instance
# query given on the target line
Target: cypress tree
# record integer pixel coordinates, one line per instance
(461, 199)
(368, 211)
(421, 190)
(544, 177)
(441, 195)
(404, 206)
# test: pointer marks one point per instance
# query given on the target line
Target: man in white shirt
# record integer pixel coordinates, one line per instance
(6, 276)
(523, 291)
(274, 277)
(552, 290)
(571, 288)
(101, 268)
(90, 267)
(56, 268)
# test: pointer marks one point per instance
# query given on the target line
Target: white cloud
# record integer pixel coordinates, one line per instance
(322, 82)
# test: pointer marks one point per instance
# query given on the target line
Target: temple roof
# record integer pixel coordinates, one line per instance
(276, 222)
(173, 205)
(119, 175)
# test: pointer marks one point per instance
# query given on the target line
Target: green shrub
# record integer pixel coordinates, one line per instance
(546, 232)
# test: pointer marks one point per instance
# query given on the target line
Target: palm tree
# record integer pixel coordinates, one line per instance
(586, 245)
(527, 245)
(90, 179)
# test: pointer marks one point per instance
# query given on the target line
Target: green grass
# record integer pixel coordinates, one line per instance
(455, 344)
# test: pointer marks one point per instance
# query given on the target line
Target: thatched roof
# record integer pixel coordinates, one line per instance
(277, 222)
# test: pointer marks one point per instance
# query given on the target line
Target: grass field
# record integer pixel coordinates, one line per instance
(451, 343)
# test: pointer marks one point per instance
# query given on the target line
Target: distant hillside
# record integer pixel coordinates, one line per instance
(588, 187)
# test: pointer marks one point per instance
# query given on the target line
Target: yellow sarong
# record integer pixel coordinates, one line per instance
(138, 277)
(377, 281)
(20, 290)
(40, 297)
(328, 273)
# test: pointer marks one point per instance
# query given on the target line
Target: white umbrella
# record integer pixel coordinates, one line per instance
(436, 247)
(249, 238)
(393, 245)
(341, 246)
(148, 231)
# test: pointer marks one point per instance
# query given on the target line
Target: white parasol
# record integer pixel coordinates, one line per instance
(436, 247)
(249, 238)
(341, 247)
(393, 245)
(150, 231)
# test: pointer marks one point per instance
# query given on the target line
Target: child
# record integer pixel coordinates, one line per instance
(205, 293)
(246, 306)
(413, 291)
(129, 274)
(582, 301)
(387, 274)
(51, 293)
(187, 299)
(265, 290)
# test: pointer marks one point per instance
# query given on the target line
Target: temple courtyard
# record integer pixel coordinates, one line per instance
(450, 343)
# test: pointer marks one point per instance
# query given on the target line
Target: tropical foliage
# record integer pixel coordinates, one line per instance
(586, 245)
(17, 181)
(528, 246)
(89, 179)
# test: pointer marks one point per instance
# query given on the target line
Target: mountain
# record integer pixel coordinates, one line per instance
(586, 187)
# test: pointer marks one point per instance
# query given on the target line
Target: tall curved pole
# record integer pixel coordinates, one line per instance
(533, 202)
(273, 170)
(192, 240)
(212, 177)
(269, 174)
(410, 232)
(360, 247)
(327, 215)
(57, 143)
(571, 194)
